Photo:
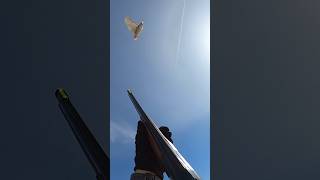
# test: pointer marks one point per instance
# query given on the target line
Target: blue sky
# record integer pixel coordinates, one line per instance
(173, 91)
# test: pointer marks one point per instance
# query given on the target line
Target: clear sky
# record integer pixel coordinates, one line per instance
(173, 89)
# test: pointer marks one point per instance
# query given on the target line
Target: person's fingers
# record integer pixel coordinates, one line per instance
(166, 132)
(140, 123)
(141, 127)
(142, 131)
(164, 129)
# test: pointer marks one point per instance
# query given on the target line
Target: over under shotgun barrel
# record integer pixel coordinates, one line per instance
(95, 154)
(176, 166)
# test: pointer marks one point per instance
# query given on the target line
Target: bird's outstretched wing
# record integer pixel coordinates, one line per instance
(130, 24)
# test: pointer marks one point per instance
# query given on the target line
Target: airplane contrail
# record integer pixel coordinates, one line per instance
(180, 33)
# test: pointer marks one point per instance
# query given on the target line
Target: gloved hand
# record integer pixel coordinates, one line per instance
(145, 158)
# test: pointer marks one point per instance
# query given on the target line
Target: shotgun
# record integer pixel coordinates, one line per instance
(177, 168)
(93, 151)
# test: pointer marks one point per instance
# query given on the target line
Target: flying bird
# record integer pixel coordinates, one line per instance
(134, 27)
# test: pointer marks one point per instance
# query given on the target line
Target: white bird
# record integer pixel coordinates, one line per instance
(134, 27)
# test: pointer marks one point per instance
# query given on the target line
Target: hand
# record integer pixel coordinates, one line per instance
(145, 158)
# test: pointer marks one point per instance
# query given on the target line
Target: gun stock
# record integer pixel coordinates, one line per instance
(176, 166)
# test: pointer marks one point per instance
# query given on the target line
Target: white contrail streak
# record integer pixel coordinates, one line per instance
(180, 33)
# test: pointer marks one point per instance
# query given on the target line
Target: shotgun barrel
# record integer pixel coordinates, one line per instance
(176, 166)
(93, 151)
